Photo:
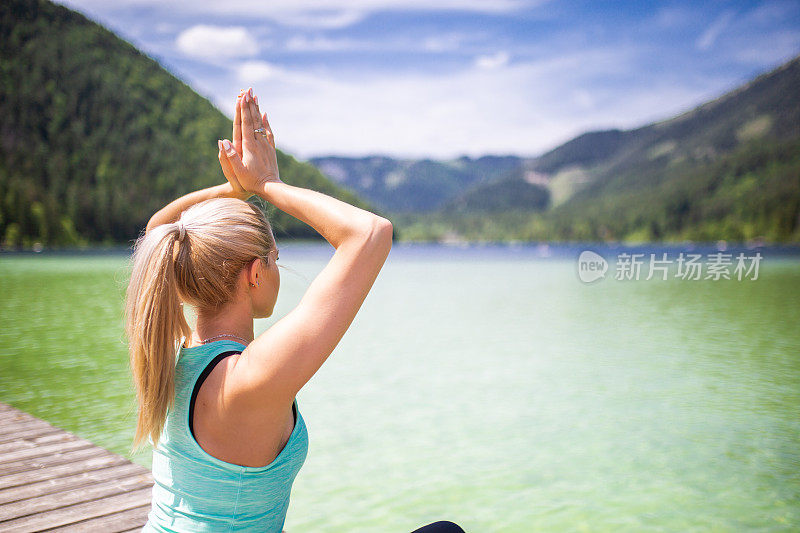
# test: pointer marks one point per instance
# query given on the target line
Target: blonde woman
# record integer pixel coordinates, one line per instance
(218, 405)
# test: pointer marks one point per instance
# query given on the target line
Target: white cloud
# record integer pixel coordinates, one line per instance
(492, 61)
(672, 17)
(493, 105)
(771, 13)
(260, 7)
(443, 43)
(779, 48)
(251, 72)
(407, 43)
(521, 107)
(713, 31)
(308, 13)
(328, 19)
(302, 43)
(583, 98)
(217, 42)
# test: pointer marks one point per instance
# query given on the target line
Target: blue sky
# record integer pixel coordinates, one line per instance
(443, 78)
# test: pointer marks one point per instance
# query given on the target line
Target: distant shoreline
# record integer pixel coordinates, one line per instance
(541, 250)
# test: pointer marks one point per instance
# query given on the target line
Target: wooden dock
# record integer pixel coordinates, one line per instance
(52, 480)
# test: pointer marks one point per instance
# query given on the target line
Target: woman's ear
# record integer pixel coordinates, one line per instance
(254, 279)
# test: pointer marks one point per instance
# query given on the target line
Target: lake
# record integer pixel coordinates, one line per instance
(488, 385)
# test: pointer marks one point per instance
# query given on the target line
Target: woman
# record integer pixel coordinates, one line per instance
(219, 405)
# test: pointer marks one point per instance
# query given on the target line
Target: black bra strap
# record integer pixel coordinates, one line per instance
(206, 371)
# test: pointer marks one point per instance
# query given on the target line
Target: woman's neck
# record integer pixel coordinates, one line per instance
(222, 325)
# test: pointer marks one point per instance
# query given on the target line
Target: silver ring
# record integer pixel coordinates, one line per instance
(262, 131)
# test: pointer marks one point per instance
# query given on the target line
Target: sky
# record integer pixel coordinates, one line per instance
(446, 78)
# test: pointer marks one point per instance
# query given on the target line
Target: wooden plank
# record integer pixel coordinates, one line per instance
(53, 479)
(95, 491)
(69, 443)
(11, 426)
(12, 413)
(104, 460)
(54, 459)
(22, 443)
(29, 433)
(61, 483)
(75, 513)
(130, 520)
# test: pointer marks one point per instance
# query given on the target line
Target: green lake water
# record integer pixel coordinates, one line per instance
(490, 387)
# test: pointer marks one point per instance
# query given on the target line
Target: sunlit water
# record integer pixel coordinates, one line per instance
(486, 386)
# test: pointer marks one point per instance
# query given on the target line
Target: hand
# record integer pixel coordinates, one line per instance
(235, 189)
(258, 163)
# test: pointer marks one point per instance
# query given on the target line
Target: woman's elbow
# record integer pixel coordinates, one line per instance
(384, 231)
(152, 223)
(376, 236)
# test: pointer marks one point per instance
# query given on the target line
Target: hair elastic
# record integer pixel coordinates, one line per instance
(181, 230)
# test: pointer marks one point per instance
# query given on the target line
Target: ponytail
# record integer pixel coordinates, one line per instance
(154, 325)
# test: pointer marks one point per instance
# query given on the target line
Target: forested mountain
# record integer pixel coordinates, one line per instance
(95, 136)
(728, 169)
(512, 192)
(413, 185)
(766, 110)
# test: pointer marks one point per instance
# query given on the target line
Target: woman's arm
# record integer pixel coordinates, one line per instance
(172, 211)
(281, 360)
(232, 189)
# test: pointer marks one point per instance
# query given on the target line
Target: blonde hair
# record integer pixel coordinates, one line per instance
(196, 260)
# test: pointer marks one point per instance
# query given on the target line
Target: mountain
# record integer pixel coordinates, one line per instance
(95, 136)
(728, 169)
(409, 185)
(513, 192)
(766, 110)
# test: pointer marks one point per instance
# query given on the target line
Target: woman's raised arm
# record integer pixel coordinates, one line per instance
(172, 211)
(280, 361)
(232, 189)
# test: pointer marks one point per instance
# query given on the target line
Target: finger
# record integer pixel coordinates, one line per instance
(254, 114)
(248, 124)
(237, 125)
(262, 136)
(233, 157)
(227, 170)
(265, 124)
(259, 118)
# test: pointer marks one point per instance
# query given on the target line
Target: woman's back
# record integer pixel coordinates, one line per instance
(195, 491)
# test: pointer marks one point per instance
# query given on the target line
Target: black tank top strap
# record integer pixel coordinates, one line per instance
(203, 375)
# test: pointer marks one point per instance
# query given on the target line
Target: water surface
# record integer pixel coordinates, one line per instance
(485, 385)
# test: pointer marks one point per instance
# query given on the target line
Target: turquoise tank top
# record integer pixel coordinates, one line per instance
(197, 492)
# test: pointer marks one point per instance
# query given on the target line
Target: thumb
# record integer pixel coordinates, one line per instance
(233, 157)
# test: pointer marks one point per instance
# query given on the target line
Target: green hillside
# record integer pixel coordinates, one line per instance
(511, 192)
(725, 170)
(766, 110)
(95, 136)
